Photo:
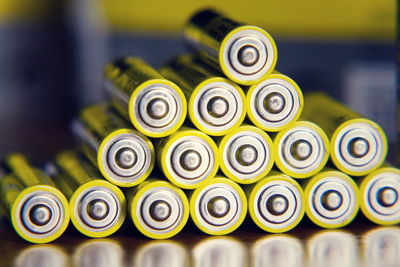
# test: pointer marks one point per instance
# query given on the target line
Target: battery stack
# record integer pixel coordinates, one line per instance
(216, 135)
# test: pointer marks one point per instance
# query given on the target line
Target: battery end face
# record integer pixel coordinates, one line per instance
(219, 207)
(332, 199)
(40, 215)
(380, 193)
(274, 103)
(160, 210)
(246, 154)
(276, 204)
(248, 54)
(358, 147)
(217, 107)
(158, 108)
(126, 158)
(302, 150)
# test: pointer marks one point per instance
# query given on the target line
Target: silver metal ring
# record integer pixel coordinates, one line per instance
(160, 210)
(157, 108)
(248, 55)
(218, 106)
(384, 208)
(190, 159)
(359, 147)
(274, 102)
(265, 208)
(97, 209)
(41, 214)
(218, 206)
(246, 154)
(126, 157)
(341, 204)
(301, 149)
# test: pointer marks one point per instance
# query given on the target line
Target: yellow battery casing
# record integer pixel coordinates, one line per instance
(195, 194)
(279, 161)
(363, 182)
(332, 117)
(210, 37)
(221, 147)
(133, 195)
(307, 186)
(22, 181)
(251, 191)
(127, 78)
(77, 176)
(192, 76)
(100, 124)
(165, 144)
(250, 113)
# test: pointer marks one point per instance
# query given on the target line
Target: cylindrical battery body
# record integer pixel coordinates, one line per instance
(124, 156)
(153, 104)
(97, 207)
(216, 105)
(38, 210)
(244, 53)
(358, 145)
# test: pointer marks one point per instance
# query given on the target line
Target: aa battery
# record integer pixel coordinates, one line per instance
(246, 154)
(331, 199)
(274, 103)
(276, 203)
(188, 158)
(124, 156)
(244, 53)
(97, 207)
(154, 105)
(379, 193)
(158, 209)
(39, 212)
(218, 207)
(216, 105)
(301, 150)
(358, 145)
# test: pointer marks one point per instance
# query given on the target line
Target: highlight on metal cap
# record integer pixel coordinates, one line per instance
(302, 150)
(358, 147)
(246, 154)
(126, 158)
(217, 106)
(189, 158)
(40, 214)
(276, 203)
(159, 210)
(379, 195)
(98, 208)
(218, 207)
(331, 199)
(274, 103)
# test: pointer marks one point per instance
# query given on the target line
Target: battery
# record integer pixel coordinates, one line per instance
(216, 105)
(158, 209)
(43, 255)
(246, 154)
(332, 199)
(98, 252)
(244, 53)
(97, 207)
(39, 212)
(188, 158)
(276, 203)
(166, 252)
(274, 103)
(379, 193)
(156, 106)
(124, 156)
(218, 207)
(301, 150)
(358, 145)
